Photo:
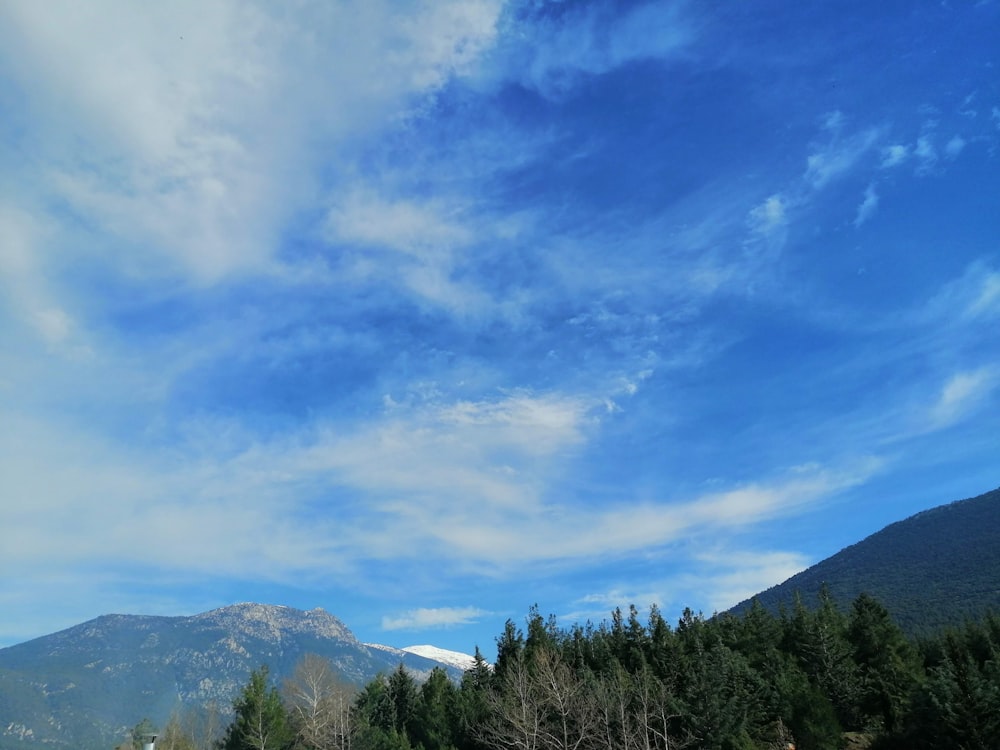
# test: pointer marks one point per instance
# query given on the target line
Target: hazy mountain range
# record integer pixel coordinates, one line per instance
(86, 686)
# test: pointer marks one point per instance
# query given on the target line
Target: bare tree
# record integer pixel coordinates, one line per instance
(319, 703)
(540, 703)
(657, 711)
(514, 710)
(206, 726)
(174, 735)
(636, 712)
(619, 727)
(568, 700)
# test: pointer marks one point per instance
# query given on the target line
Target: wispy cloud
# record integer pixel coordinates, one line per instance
(427, 618)
(552, 52)
(987, 301)
(717, 575)
(954, 147)
(866, 209)
(960, 395)
(894, 155)
(769, 217)
(973, 296)
(192, 128)
(363, 296)
(925, 154)
(838, 157)
(368, 218)
(726, 577)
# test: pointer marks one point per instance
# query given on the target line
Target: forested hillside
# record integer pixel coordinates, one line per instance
(930, 570)
(811, 679)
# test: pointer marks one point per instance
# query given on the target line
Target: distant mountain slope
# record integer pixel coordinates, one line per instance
(453, 658)
(84, 687)
(930, 570)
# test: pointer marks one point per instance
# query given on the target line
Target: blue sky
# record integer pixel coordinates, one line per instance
(424, 313)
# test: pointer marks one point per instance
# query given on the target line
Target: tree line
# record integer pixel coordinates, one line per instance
(810, 678)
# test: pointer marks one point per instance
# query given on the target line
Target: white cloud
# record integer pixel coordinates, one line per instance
(423, 230)
(866, 209)
(448, 38)
(177, 128)
(425, 241)
(439, 617)
(972, 296)
(54, 324)
(838, 158)
(833, 121)
(561, 533)
(954, 147)
(23, 279)
(722, 578)
(715, 578)
(926, 154)
(961, 395)
(769, 217)
(552, 54)
(987, 301)
(894, 155)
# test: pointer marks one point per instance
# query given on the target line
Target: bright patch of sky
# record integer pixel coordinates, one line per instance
(424, 312)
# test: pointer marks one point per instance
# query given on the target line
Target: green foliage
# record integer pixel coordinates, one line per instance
(931, 570)
(886, 661)
(816, 678)
(435, 724)
(142, 733)
(394, 714)
(260, 721)
(958, 705)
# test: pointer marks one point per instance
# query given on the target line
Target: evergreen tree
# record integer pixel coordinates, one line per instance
(509, 647)
(888, 669)
(403, 695)
(827, 658)
(386, 711)
(435, 724)
(260, 721)
(472, 702)
(959, 706)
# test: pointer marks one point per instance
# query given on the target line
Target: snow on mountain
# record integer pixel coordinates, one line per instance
(388, 649)
(451, 658)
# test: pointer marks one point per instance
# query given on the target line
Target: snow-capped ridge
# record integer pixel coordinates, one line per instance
(455, 659)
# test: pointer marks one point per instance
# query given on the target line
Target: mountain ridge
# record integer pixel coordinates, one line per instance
(84, 686)
(930, 570)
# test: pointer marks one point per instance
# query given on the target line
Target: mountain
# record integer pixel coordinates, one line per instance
(931, 570)
(85, 687)
(454, 659)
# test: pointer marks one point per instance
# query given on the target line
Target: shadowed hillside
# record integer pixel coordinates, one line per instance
(930, 570)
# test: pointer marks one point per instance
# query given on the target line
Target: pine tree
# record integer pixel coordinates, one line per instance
(260, 721)
(434, 725)
(887, 663)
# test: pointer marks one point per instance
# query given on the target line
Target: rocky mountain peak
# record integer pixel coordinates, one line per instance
(273, 622)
